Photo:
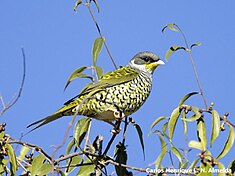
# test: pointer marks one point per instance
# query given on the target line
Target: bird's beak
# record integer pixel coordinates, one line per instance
(153, 66)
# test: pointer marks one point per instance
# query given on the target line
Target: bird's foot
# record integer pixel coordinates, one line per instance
(119, 115)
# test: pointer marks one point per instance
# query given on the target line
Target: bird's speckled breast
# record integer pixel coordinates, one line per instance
(127, 97)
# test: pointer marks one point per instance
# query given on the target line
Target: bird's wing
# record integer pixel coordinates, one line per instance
(110, 79)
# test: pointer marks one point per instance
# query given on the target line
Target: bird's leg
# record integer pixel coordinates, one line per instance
(116, 127)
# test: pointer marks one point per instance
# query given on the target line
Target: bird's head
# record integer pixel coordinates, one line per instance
(145, 61)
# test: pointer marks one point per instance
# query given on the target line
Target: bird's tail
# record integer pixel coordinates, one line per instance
(45, 120)
(64, 111)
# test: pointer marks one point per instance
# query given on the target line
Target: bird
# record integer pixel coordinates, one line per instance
(117, 94)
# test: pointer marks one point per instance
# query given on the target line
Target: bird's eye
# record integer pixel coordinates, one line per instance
(147, 59)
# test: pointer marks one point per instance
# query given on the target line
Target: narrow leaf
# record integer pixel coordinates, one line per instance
(215, 126)
(44, 169)
(205, 169)
(172, 122)
(75, 160)
(195, 44)
(163, 152)
(23, 152)
(140, 134)
(228, 144)
(75, 74)
(195, 117)
(78, 2)
(195, 144)
(157, 121)
(97, 5)
(232, 166)
(80, 130)
(97, 46)
(121, 157)
(99, 72)
(36, 164)
(172, 50)
(194, 163)
(201, 132)
(184, 165)
(12, 158)
(187, 97)
(177, 154)
(164, 127)
(70, 146)
(86, 170)
(183, 114)
(221, 167)
(171, 27)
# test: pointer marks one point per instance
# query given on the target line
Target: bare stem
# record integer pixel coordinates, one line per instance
(188, 50)
(6, 107)
(100, 33)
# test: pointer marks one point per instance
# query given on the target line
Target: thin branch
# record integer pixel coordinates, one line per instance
(188, 50)
(101, 35)
(21, 87)
(37, 148)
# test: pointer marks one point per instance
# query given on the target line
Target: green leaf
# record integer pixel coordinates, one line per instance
(97, 46)
(80, 129)
(99, 72)
(12, 159)
(140, 134)
(195, 144)
(183, 114)
(157, 121)
(75, 160)
(172, 122)
(171, 27)
(97, 5)
(232, 166)
(184, 165)
(228, 144)
(177, 154)
(70, 146)
(164, 127)
(86, 170)
(3, 167)
(163, 152)
(201, 132)
(221, 167)
(194, 163)
(195, 44)
(172, 50)
(77, 74)
(187, 97)
(195, 117)
(78, 2)
(215, 126)
(205, 170)
(36, 164)
(44, 169)
(121, 157)
(23, 152)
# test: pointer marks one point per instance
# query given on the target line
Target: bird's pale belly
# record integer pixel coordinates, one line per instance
(124, 99)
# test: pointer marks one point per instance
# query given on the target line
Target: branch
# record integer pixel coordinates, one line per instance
(6, 107)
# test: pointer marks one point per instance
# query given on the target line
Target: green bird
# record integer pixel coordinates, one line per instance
(117, 94)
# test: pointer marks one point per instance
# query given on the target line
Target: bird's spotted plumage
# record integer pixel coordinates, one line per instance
(121, 91)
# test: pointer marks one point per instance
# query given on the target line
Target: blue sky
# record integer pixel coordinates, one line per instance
(57, 41)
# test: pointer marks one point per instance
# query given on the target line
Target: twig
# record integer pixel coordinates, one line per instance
(6, 107)
(37, 148)
(188, 50)
(124, 132)
(101, 35)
